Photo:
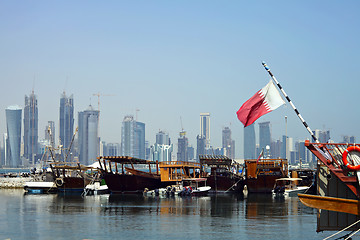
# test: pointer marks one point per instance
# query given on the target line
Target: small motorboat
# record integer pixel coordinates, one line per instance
(40, 187)
(288, 187)
(191, 187)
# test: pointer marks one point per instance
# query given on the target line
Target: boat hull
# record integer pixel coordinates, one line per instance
(261, 184)
(71, 184)
(225, 184)
(40, 187)
(331, 203)
(130, 183)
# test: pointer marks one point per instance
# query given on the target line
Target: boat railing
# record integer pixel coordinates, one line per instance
(179, 163)
(330, 155)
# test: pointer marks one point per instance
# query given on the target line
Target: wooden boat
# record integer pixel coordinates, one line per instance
(343, 205)
(261, 174)
(337, 189)
(122, 174)
(225, 176)
(288, 187)
(71, 176)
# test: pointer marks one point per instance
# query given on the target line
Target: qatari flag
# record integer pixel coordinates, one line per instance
(264, 101)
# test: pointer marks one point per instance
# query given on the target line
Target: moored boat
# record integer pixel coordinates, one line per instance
(225, 175)
(288, 187)
(261, 174)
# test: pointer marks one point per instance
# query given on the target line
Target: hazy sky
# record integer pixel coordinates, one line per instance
(173, 59)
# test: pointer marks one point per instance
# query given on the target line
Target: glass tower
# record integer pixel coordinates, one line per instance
(249, 142)
(133, 138)
(205, 128)
(30, 127)
(88, 136)
(13, 140)
(66, 130)
(264, 137)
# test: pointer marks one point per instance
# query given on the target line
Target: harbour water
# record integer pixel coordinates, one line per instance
(137, 217)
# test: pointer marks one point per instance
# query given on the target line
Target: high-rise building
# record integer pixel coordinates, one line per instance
(228, 143)
(30, 127)
(249, 142)
(162, 138)
(66, 129)
(161, 152)
(264, 136)
(200, 146)
(139, 141)
(205, 127)
(322, 136)
(50, 133)
(88, 136)
(13, 139)
(182, 154)
(132, 138)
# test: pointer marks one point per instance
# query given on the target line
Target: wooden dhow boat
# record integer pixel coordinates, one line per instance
(261, 174)
(124, 174)
(226, 175)
(337, 188)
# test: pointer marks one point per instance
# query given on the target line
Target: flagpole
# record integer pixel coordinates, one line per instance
(292, 105)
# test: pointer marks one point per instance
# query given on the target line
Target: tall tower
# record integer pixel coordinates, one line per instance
(205, 128)
(13, 139)
(182, 154)
(132, 138)
(249, 142)
(200, 146)
(88, 136)
(66, 130)
(162, 149)
(162, 138)
(264, 136)
(30, 127)
(228, 143)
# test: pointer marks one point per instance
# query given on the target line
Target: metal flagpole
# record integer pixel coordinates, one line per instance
(292, 105)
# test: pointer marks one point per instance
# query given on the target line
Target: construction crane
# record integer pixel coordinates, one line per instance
(182, 133)
(100, 94)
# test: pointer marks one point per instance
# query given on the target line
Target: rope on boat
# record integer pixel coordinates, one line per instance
(352, 234)
(344, 230)
(233, 185)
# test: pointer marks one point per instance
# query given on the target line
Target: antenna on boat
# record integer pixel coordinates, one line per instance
(292, 105)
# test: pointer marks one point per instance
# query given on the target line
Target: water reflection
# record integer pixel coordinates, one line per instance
(64, 216)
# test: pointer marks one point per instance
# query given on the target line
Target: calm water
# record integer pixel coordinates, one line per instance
(136, 217)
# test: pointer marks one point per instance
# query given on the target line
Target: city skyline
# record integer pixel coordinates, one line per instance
(162, 61)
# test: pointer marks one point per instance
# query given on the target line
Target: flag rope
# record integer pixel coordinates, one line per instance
(292, 105)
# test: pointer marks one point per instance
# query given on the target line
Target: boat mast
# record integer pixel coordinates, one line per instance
(292, 105)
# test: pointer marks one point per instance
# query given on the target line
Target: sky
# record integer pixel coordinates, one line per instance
(172, 60)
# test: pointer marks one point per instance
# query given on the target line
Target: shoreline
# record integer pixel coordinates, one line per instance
(17, 182)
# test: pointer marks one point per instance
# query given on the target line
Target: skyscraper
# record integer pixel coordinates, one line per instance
(88, 136)
(200, 146)
(162, 149)
(228, 143)
(13, 139)
(162, 138)
(30, 127)
(132, 138)
(66, 130)
(249, 142)
(182, 154)
(264, 136)
(205, 127)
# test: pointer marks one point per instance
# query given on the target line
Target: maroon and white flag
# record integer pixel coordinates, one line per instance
(264, 101)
